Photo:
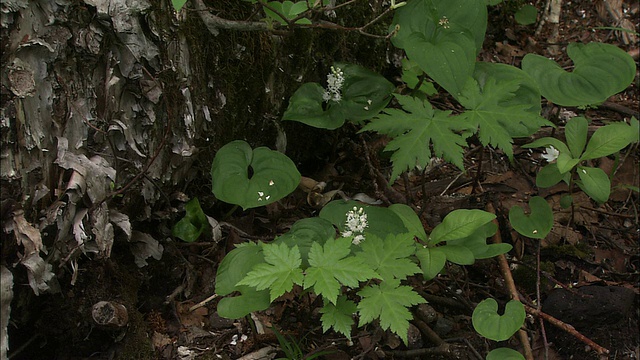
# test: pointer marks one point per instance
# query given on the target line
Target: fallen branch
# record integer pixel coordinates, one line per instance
(566, 327)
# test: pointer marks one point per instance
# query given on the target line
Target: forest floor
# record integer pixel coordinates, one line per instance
(590, 261)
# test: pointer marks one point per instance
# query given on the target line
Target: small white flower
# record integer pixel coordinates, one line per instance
(260, 193)
(355, 225)
(267, 197)
(550, 154)
(335, 80)
(271, 183)
(444, 22)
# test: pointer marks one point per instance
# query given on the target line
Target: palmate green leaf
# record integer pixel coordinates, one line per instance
(280, 272)
(389, 257)
(331, 267)
(389, 302)
(414, 129)
(304, 233)
(338, 316)
(491, 109)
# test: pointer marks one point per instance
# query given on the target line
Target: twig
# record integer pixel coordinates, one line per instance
(426, 330)
(444, 349)
(511, 285)
(203, 302)
(566, 327)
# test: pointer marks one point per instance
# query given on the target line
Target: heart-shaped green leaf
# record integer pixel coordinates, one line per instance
(252, 178)
(233, 268)
(491, 325)
(601, 70)
(504, 354)
(595, 183)
(526, 15)
(381, 221)
(192, 224)
(443, 37)
(538, 223)
(363, 95)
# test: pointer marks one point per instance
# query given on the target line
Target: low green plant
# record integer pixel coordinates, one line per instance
(292, 348)
(361, 270)
(568, 161)
(191, 226)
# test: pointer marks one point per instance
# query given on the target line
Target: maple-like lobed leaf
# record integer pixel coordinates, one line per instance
(390, 257)
(338, 316)
(280, 272)
(497, 120)
(389, 302)
(414, 129)
(331, 266)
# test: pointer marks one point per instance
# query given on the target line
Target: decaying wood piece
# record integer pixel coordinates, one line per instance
(613, 12)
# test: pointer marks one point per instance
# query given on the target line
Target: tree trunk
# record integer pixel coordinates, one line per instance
(111, 109)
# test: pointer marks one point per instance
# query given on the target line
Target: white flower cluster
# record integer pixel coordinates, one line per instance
(355, 225)
(334, 84)
(550, 154)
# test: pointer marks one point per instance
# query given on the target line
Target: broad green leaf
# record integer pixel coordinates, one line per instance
(526, 15)
(608, 140)
(410, 220)
(235, 266)
(459, 224)
(538, 223)
(416, 127)
(191, 226)
(411, 73)
(526, 97)
(338, 316)
(565, 162)
(443, 37)
(364, 95)
(250, 300)
(576, 133)
(331, 266)
(458, 254)
(477, 243)
(389, 257)
(489, 110)
(274, 175)
(289, 9)
(601, 70)
(178, 4)
(549, 176)
(382, 221)
(595, 183)
(546, 142)
(491, 325)
(304, 233)
(280, 271)
(504, 354)
(432, 261)
(389, 302)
